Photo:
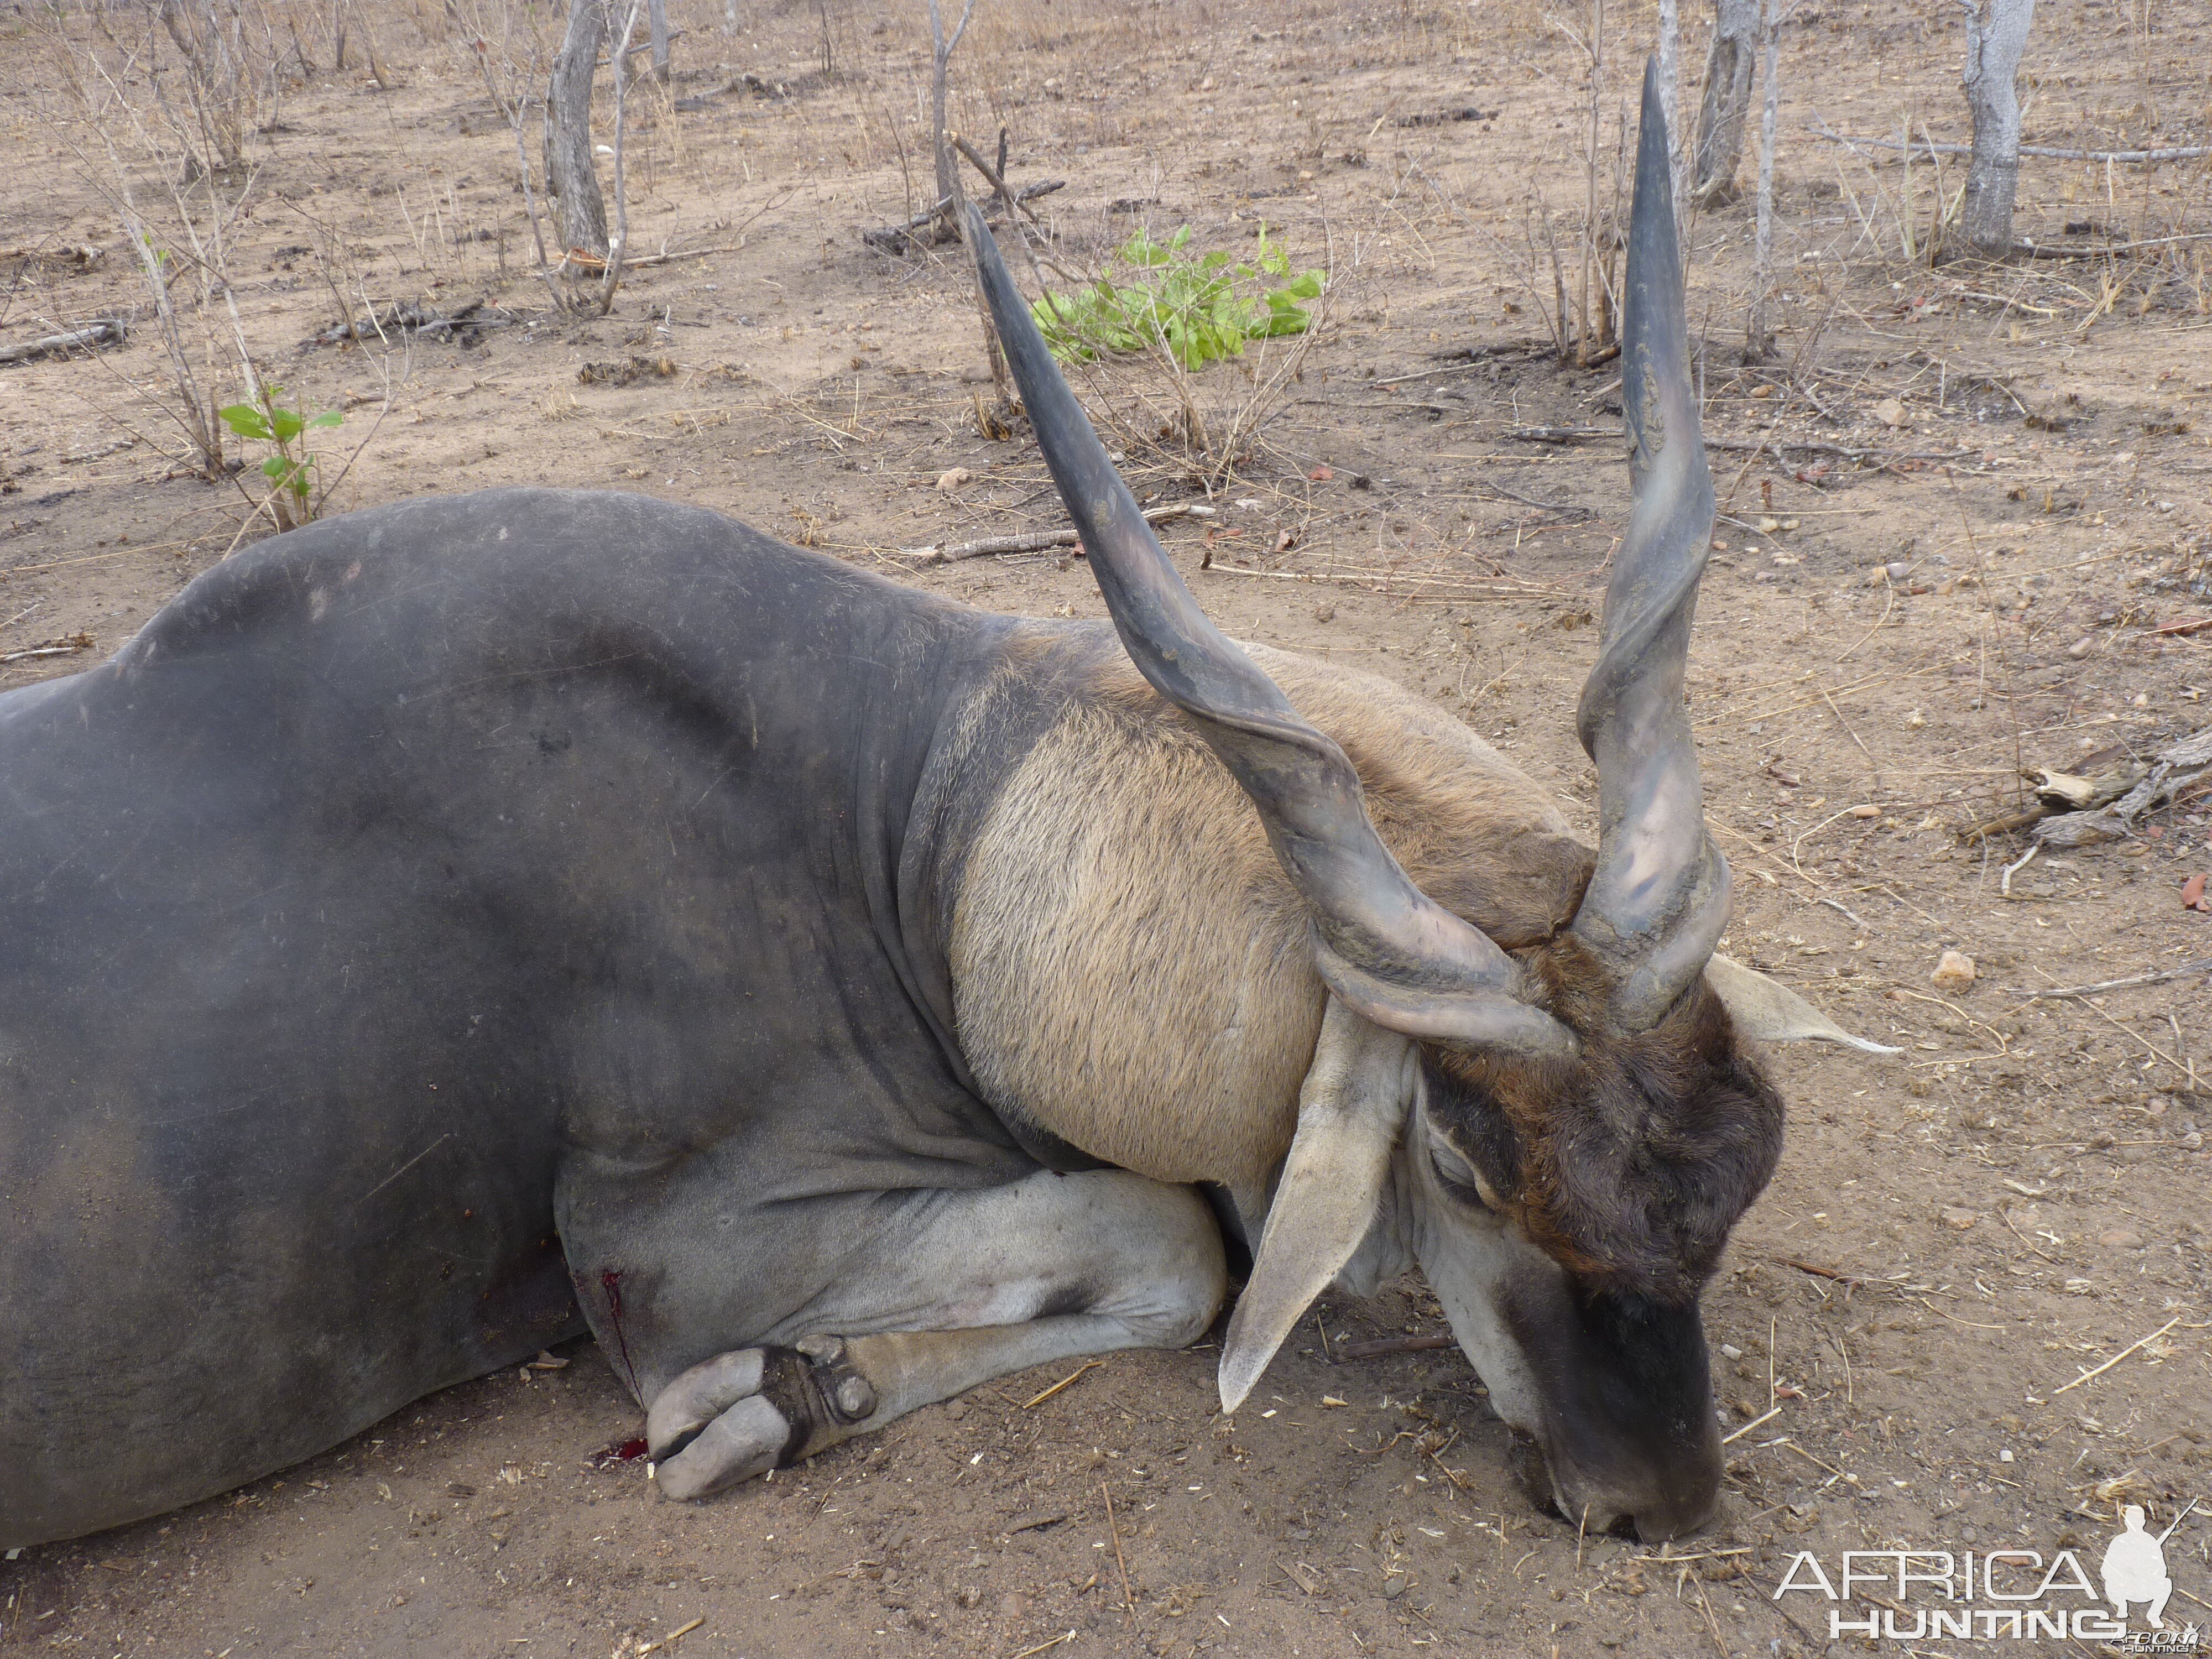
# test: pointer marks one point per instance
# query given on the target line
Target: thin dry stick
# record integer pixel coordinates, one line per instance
(2142, 1341)
(1114, 1532)
(1996, 1037)
(1711, 1623)
(2202, 965)
(1032, 541)
(1854, 737)
(1766, 1416)
(1876, 628)
(618, 243)
(1388, 1344)
(1036, 1399)
(2157, 1053)
(2181, 153)
(2023, 1237)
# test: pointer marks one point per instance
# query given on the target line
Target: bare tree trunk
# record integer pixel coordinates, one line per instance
(1727, 96)
(619, 245)
(569, 171)
(1670, 77)
(1586, 340)
(656, 17)
(1997, 35)
(1758, 343)
(948, 164)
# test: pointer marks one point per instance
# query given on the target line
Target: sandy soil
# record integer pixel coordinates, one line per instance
(1954, 1235)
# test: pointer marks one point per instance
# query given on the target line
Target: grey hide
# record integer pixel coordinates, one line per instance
(452, 923)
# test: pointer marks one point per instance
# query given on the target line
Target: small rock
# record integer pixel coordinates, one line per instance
(2080, 647)
(2192, 894)
(1730, 1350)
(1866, 809)
(1955, 968)
(1013, 1604)
(1915, 720)
(957, 478)
(1896, 570)
(1890, 412)
(2120, 1238)
(1324, 613)
(1957, 1218)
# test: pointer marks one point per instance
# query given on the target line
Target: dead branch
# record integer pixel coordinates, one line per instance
(896, 238)
(2181, 153)
(105, 330)
(1387, 1345)
(1035, 541)
(2201, 965)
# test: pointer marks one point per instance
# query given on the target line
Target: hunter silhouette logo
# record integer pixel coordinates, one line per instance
(2133, 1568)
(2003, 1595)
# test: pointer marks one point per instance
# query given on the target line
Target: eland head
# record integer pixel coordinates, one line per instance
(1564, 1136)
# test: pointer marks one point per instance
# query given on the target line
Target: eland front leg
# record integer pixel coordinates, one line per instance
(920, 1295)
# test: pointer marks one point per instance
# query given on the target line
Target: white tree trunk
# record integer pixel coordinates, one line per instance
(1727, 96)
(942, 47)
(1758, 343)
(570, 173)
(1670, 75)
(1997, 36)
(656, 15)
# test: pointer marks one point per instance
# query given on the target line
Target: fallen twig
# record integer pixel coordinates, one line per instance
(105, 330)
(406, 316)
(99, 454)
(893, 238)
(41, 651)
(1114, 1532)
(1034, 541)
(2201, 965)
(1442, 118)
(1821, 1273)
(1037, 1399)
(2180, 153)
(1379, 1346)
(2141, 1341)
(1578, 435)
(671, 1638)
(1767, 1416)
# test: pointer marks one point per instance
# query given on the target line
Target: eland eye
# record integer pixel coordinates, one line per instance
(1461, 1178)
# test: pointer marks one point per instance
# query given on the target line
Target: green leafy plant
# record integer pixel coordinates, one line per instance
(1200, 307)
(292, 469)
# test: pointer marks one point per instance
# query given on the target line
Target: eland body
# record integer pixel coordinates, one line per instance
(453, 925)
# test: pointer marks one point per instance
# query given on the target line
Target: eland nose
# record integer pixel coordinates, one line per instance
(1675, 1514)
(1656, 1504)
(1655, 1512)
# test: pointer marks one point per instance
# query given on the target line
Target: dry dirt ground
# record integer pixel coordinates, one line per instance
(1887, 637)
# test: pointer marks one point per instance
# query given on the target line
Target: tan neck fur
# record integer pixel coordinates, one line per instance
(1130, 965)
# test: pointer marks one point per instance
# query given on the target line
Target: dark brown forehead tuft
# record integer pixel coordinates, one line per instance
(1631, 1162)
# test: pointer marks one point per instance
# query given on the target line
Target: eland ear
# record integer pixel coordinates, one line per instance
(1765, 1009)
(1350, 1109)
